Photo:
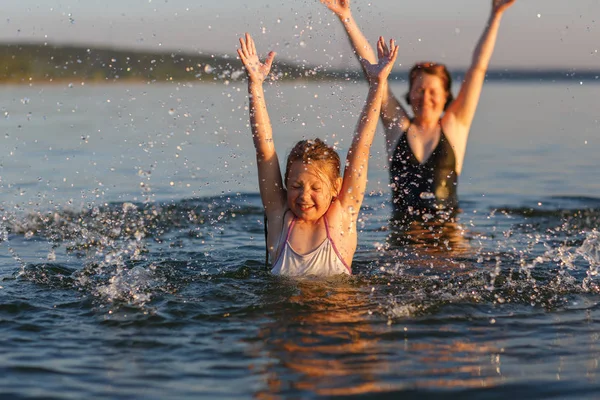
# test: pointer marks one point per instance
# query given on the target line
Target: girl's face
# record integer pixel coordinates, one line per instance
(428, 96)
(309, 192)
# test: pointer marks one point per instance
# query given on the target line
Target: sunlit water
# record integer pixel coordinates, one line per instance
(132, 252)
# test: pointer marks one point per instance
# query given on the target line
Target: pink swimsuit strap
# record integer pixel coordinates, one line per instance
(287, 237)
(334, 247)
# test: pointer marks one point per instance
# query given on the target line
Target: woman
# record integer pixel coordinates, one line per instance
(426, 152)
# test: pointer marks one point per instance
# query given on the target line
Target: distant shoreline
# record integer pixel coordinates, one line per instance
(533, 76)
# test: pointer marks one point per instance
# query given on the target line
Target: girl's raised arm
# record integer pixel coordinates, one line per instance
(269, 174)
(355, 174)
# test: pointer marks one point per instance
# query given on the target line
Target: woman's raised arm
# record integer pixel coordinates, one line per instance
(461, 111)
(394, 116)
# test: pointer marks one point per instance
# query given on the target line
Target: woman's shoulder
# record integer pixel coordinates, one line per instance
(449, 123)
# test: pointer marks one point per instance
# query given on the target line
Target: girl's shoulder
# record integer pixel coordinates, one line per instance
(338, 215)
(279, 222)
(342, 230)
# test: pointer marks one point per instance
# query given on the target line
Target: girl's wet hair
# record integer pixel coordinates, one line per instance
(434, 69)
(315, 151)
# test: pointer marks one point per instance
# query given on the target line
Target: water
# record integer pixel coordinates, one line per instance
(132, 253)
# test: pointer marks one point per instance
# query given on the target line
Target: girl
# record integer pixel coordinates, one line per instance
(312, 220)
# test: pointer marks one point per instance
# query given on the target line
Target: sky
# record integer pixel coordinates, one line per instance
(533, 34)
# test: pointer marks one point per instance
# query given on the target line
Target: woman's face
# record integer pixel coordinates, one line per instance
(428, 96)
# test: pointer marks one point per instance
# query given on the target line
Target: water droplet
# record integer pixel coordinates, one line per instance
(236, 74)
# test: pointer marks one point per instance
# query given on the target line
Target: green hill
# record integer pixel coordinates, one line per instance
(22, 63)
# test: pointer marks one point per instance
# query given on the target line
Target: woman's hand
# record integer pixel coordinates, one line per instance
(377, 73)
(341, 8)
(256, 71)
(499, 6)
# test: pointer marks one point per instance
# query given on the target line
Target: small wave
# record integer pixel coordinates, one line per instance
(48, 274)
(573, 212)
(409, 284)
(127, 220)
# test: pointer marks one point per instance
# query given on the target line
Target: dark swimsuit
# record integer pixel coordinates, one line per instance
(427, 189)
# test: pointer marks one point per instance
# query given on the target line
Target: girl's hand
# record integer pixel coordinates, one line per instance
(499, 6)
(255, 70)
(377, 73)
(341, 8)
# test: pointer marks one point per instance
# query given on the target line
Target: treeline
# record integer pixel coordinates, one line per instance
(25, 63)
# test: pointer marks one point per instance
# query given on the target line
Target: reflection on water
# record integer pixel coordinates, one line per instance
(456, 363)
(437, 236)
(325, 339)
(439, 243)
(321, 337)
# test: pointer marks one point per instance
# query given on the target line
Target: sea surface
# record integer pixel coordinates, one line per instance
(132, 252)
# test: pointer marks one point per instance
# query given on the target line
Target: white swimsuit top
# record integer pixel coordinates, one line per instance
(325, 260)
